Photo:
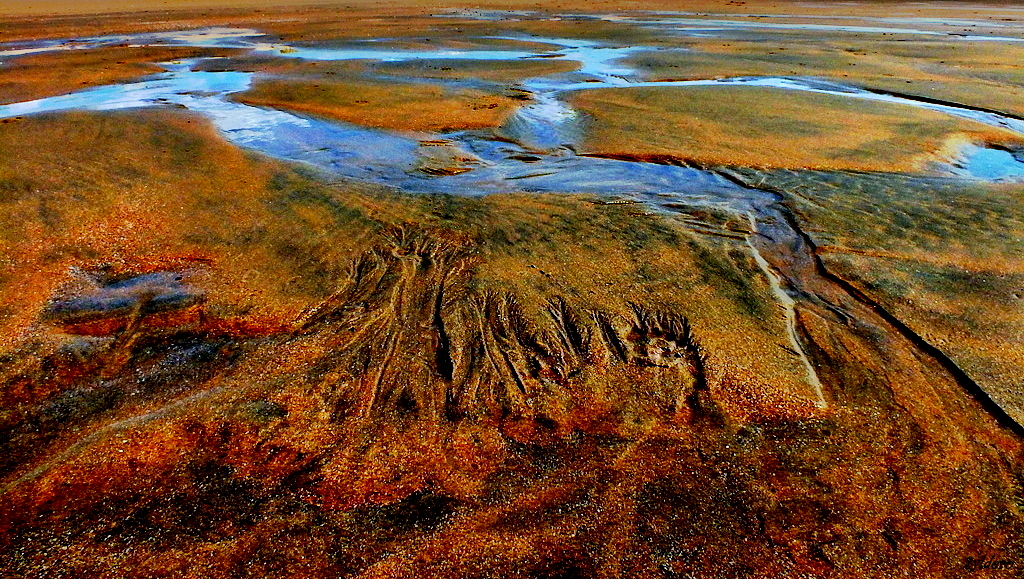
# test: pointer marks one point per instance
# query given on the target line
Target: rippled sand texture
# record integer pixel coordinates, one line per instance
(355, 292)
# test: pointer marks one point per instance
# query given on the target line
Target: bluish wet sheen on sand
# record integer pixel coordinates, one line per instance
(544, 129)
(989, 164)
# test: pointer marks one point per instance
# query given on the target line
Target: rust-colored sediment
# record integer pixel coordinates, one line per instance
(442, 388)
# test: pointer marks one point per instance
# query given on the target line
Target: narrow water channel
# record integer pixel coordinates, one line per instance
(547, 125)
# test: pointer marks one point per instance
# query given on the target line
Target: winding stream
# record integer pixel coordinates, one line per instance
(547, 125)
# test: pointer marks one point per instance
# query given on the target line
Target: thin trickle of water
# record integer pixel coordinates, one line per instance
(788, 304)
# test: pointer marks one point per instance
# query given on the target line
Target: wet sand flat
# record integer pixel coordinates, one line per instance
(518, 290)
(765, 127)
(400, 106)
(977, 73)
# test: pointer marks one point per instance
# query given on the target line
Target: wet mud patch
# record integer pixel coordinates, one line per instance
(118, 301)
(440, 158)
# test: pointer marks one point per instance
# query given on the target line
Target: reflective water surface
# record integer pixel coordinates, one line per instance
(533, 151)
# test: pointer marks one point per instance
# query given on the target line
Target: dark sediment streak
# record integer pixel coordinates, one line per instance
(959, 375)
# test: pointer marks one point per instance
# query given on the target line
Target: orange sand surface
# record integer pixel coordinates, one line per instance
(400, 106)
(766, 127)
